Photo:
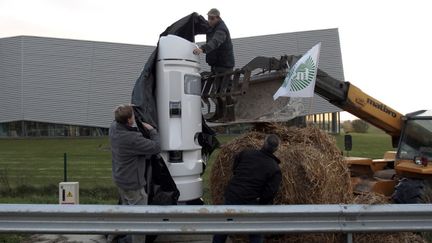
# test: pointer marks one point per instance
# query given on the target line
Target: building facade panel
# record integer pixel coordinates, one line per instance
(10, 79)
(74, 82)
(56, 74)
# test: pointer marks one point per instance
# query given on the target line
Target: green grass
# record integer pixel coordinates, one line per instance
(41, 161)
(14, 238)
(371, 145)
(34, 167)
(30, 169)
(206, 177)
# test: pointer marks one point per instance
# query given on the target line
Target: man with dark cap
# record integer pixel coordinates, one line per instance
(218, 47)
(219, 56)
(255, 181)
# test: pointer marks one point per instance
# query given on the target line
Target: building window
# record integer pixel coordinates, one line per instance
(43, 129)
(326, 121)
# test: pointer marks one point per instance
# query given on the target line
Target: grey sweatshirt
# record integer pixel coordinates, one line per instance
(130, 152)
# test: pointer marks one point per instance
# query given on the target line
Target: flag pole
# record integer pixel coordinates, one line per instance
(309, 113)
(311, 104)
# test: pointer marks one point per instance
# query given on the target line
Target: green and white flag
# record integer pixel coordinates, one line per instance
(300, 81)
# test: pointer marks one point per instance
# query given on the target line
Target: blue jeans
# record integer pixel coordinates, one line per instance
(254, 238)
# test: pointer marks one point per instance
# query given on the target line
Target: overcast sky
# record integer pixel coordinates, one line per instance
(386, 45)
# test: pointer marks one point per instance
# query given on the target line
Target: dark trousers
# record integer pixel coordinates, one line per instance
(131, 197)
(225, 104)
(217, 70)
(253, 238)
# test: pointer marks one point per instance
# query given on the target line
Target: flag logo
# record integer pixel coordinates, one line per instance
(305, 74)
(300, 80)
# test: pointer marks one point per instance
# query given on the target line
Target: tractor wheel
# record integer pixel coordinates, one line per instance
(412, 191)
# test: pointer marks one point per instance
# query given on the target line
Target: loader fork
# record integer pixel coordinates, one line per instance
(219, 90)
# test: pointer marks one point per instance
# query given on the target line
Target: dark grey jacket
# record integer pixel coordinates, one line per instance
(256, 178)
(130, 151)
(219, 48)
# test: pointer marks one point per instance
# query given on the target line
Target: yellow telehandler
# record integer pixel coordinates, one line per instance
(245, 95)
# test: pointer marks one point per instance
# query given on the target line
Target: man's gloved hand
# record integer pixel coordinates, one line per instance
(197, 51)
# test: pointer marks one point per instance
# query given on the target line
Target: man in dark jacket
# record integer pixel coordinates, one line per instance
(219, 56)
(130, 152)
(218, 47)
(255, 181)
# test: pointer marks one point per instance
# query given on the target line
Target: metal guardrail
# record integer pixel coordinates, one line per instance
(103, 219)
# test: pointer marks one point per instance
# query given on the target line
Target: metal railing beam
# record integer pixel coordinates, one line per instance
(104, 219)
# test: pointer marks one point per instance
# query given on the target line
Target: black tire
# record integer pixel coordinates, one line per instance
(411, 191)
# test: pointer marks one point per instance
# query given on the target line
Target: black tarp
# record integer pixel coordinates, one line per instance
(162, 186)
(143, 94)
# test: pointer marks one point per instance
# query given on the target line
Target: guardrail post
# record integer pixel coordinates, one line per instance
(349, 238)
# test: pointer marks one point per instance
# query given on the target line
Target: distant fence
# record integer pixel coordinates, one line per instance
(39, 162)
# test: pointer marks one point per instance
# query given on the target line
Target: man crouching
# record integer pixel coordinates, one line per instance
(255, 181)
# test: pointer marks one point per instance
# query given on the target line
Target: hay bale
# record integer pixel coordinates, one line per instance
(311, 176)
(400, 237)
(313, 172)
(370, 198)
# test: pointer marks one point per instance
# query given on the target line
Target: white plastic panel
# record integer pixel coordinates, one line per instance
(178, 88)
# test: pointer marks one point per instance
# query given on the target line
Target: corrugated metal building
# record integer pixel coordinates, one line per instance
(62, 87)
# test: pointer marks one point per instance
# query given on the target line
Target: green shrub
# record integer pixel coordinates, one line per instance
(360, 126)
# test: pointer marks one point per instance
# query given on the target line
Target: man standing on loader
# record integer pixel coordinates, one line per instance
(219, 55)
(218, 47)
